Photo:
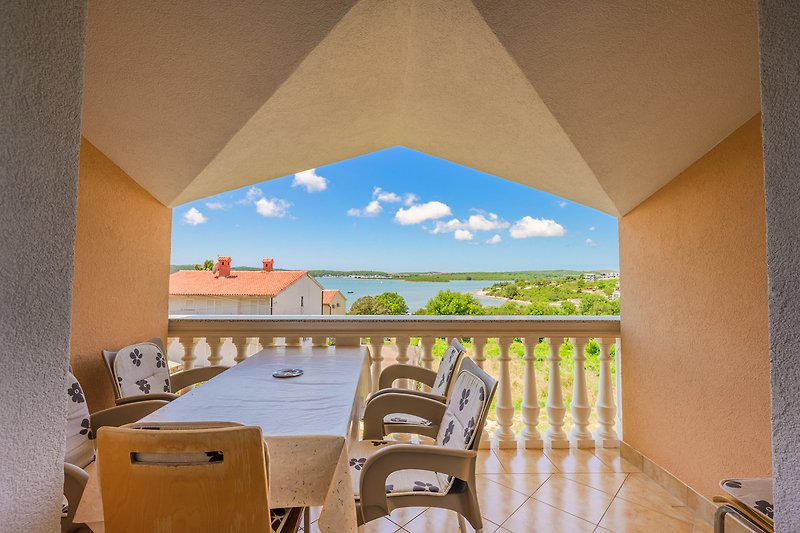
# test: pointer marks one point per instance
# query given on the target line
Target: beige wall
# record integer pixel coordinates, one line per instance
(695, 370)
(122, 251)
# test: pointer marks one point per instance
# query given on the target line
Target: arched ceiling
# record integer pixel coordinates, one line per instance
(601, 103)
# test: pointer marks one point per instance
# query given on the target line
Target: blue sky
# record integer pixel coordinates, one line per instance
(396, 210)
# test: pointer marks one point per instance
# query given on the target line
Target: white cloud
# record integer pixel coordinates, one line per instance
(309, 179)
(536, 227)
(590, 242)
(194, 217)
(373, 209)
(410, 199)
(495, 240)
(591, 228)
(562, 203)
(448, 227)
(421, 212)
(385, 196)
(272, 207)
(253, 194)
(490, 222)
(463, 235)
(216, 206)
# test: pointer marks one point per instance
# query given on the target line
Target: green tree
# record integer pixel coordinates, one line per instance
(453, 303)
(208, 264)
(393, 303)
(568, 308)
(367, 305)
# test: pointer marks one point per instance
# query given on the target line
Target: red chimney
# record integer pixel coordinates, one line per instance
(224, 266)
(266, 264)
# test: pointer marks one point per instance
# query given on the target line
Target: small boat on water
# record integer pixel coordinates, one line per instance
(349, 292)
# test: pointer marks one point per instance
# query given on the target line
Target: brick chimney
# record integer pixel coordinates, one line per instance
(224, 263)
(267, 264)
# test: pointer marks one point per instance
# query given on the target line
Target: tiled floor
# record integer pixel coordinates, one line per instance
(555, 491)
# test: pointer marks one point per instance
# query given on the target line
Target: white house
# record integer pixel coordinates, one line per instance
(242, 292)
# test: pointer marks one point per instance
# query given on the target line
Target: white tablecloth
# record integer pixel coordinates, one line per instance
(307, 422)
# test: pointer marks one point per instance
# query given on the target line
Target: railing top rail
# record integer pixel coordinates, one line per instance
(310, 325)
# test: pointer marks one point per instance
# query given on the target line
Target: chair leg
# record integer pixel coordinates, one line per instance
(462, 526)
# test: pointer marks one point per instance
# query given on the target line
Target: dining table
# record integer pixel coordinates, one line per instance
(307, 422)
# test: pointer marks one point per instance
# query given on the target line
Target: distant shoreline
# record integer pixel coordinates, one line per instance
(483, 294)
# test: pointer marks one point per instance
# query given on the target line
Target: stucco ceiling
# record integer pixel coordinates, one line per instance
(601, 103)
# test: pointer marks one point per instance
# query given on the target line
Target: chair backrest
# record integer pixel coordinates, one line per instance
(447, 368)
(109, 357)
(467, 407)
(139, 369)
(183, 477)
(79, 449)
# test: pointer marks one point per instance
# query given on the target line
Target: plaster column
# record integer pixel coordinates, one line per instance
(780, 103)
(41, 83)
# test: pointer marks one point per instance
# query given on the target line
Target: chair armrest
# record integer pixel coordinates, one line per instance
(394, 390)
(75, 479)
(413, 372)
(450, 461)
(185, 378)
(166, 396)
(125, 413)
(386, 404)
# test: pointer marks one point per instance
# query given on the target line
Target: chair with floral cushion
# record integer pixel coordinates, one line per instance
(140, 372)
(79, 450)
(440, 383)
(390, 475)
(206, 476)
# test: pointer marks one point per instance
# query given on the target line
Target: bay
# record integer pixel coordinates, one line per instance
(415, 293)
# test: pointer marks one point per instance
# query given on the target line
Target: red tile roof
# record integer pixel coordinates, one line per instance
(240, 282)
(328, 296)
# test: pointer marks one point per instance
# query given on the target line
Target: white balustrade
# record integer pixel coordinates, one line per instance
(606, 436)
(504, 436)
(530, 437)
(579, 435)
(555, 437)
(348, 331)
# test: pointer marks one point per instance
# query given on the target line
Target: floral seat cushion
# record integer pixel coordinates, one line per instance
(400, 418)
(464, 408)
(755, 494)
(141, 369)
(445, 371)
(401, 482)
(79, 449)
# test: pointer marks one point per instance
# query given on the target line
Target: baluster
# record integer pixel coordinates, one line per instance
(402, 358)
(427, 351)
(504, 436)
(188, 344)
(478, 346)
(579, 435)
(240, 343)
(555, 437)
(605, 435)
(375, 348)
(292, 341)
(215, 350)
(266, 342)
(318, 341)
(530, 437)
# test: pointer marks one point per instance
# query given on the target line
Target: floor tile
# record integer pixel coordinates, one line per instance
(575, 498)
(610, 456)
(381, 525)
(525, 462)
(405, 515)
(488, 463)
(524, 483)
(497, 502)
(538, 517)
(608, 482)
(627, 517)
(639, 488)
(443, 521)
(575, 461)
